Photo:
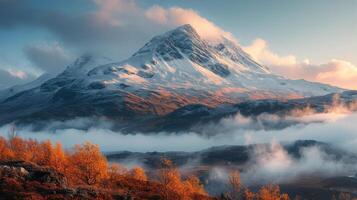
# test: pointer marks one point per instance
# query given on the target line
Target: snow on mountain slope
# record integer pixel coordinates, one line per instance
(19, 88)
(79, 68)
(172, 70)
(180, 59)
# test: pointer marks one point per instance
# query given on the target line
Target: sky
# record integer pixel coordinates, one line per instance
(312, 40)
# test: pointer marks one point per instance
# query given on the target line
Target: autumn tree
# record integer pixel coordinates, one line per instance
(88, 163)
(192, 185)
(174, 187)
(138, 173)
(58, 159)
(116, 173)
(5, 152)
(19, 148)
(170, 178)
(44, 153)
(271, 192)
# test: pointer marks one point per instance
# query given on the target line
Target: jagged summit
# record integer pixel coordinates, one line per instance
(174, 44)
(188, 28)
(184, 42)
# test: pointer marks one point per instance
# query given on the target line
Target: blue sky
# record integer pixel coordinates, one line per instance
(322, 31)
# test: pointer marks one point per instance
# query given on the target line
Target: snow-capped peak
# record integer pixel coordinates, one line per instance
(172, 70)
(172, 44)
(180, 58)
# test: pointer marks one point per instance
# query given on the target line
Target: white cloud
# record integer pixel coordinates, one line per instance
(274, 165)
(335, 72)
(260, 51)
(176, 16)
(125, 14)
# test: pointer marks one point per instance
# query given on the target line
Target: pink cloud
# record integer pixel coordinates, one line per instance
(335, 72)
(17, 73)
(341, 73)
(125, 12)
(260, 51)
(111, 11)
(178, 16)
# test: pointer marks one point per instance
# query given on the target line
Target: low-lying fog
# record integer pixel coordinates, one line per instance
(339, 129)
(265, 165)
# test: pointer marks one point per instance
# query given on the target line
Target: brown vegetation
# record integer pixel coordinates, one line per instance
(176, 188)
(84, 169)
(40, 170)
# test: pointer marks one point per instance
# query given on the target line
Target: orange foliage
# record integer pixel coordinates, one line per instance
(5, 152)
(86, 165)
(139, 174)
(193, 186)
(89, 164)
(176, 188)
(115, 173)
(271, 192)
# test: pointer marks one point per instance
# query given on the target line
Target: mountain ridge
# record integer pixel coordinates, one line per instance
(171, 71)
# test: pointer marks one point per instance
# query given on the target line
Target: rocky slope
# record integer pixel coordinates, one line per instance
(26, 180)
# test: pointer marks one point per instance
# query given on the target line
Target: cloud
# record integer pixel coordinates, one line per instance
(267, 163)
(115, 28)
(111, 11)
(11, 77)
(18, 73)
(51, 58)
(260, 51)
(341, 73)
(335, 72)
(273, 164)
(326, 127)
(176, 16)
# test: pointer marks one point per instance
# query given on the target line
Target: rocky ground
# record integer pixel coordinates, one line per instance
(26, 180)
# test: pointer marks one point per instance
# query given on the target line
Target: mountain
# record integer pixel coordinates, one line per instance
(172, 70)
(195, 118)
(6, 93)
(180, 60)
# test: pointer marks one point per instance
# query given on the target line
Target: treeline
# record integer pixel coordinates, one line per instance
(85, 165)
